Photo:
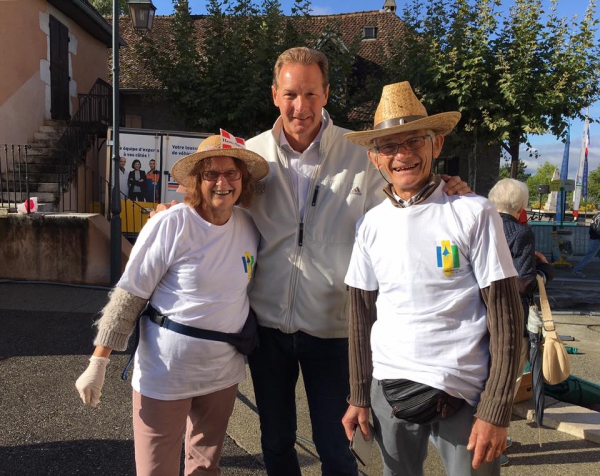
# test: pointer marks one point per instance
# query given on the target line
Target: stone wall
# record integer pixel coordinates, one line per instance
(62, 248)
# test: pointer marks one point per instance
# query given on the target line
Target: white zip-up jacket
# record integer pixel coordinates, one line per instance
(299, 281)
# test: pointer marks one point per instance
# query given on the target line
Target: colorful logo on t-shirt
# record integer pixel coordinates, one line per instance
(248, 261)
(448, 257)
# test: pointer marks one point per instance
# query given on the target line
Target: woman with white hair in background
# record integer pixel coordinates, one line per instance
(510, 197)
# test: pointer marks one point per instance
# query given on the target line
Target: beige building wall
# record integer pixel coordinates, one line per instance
(22, 90)
(25, 58)
(89, 63)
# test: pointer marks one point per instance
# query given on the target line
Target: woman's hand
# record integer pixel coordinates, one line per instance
(89, 384)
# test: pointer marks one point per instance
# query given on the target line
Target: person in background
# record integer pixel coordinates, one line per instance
(186, 264)
(136, 182)
(434, 306)
(510, 197)
(153, 183)
(123, 178)
(593, 247)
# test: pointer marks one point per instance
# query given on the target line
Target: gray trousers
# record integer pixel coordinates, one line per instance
(404, 445)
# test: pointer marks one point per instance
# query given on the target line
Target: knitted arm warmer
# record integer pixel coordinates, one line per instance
(505, 325)
(362, 316)
(118, 319)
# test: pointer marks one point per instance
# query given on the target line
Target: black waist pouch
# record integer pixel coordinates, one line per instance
(246, 340)
(419, 403)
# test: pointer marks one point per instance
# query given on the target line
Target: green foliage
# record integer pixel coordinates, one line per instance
(543, 176)
(510, 75)
(505, 171)
(224, 80)
(105, 7)
(593, 195)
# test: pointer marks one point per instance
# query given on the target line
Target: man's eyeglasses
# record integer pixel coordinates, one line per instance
(390, 150)
(213, 175)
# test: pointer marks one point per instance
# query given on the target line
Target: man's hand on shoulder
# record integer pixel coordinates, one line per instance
(455, 185)
(161, 207)
(487, 442)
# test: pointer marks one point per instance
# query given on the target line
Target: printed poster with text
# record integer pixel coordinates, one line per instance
(176, 147)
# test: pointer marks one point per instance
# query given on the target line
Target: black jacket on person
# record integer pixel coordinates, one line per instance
(521, 242)
(131, 182)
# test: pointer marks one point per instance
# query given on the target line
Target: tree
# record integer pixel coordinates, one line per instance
(593, 195)
(221, 76)
(175, 62)
(105, 7)
(527, 72)
(505, 170)
(543, 176)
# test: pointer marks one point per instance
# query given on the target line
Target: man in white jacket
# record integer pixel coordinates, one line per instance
(306, 210)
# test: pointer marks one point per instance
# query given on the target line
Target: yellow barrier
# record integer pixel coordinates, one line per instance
(134, 215)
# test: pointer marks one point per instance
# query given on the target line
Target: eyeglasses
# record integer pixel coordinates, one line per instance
(390, 150)
(213, 175)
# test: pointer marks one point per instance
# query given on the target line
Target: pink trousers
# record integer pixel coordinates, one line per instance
(159, 427)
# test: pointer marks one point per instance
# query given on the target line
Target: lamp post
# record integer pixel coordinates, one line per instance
(142, 15)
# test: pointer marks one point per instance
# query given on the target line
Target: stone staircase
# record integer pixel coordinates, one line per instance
(43, 165)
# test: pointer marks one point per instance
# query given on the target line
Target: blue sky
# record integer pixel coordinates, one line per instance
(550, 148)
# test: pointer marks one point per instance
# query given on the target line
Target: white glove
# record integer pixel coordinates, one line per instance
(89, 384)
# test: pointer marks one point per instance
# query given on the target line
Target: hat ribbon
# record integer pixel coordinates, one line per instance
(397, 121)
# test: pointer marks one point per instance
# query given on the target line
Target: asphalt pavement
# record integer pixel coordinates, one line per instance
(46, 338)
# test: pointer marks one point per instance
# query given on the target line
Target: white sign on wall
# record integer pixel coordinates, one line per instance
(176, 147)
(164, 148)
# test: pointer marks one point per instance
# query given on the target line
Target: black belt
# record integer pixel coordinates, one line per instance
(164, 321)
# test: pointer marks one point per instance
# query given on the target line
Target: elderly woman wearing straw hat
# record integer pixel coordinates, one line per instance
(191, 264)
(435, 313)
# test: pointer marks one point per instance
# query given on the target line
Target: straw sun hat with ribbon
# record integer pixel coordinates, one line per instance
(223, 145)
(399, 110)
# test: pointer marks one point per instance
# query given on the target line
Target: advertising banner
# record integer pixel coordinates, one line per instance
(175, 147)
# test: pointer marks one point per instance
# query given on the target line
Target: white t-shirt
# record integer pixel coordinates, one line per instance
(428, 262)
(197, 274)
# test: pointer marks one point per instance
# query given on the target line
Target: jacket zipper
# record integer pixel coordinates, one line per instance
(302, 221)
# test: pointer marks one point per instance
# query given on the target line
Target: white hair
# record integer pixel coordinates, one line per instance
(509, 196)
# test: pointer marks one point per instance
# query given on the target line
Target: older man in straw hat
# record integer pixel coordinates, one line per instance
(435, 319)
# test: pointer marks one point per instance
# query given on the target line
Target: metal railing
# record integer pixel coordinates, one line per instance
(91, 120)
(89, 192)
(14, 180)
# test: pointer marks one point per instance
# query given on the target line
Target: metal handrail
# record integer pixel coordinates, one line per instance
(91, 119)
(95, 189)
(17, 154)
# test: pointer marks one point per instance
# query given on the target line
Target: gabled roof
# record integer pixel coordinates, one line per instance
(134, 75)
(88, 18)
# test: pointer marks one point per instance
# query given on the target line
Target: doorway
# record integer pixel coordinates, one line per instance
(59, 70)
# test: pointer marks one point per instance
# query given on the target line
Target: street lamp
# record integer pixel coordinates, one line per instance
(142, 14)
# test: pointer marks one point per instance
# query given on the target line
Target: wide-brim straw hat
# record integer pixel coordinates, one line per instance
(400, 110)
(212, 147)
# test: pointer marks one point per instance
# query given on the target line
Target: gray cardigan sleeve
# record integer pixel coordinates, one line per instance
(118, 319)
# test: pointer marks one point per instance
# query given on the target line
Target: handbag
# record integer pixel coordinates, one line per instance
(556, 365)
(416, 402)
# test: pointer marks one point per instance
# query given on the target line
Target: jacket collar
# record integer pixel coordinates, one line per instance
(421, 196)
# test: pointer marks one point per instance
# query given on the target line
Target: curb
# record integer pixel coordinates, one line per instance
(571, 419)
